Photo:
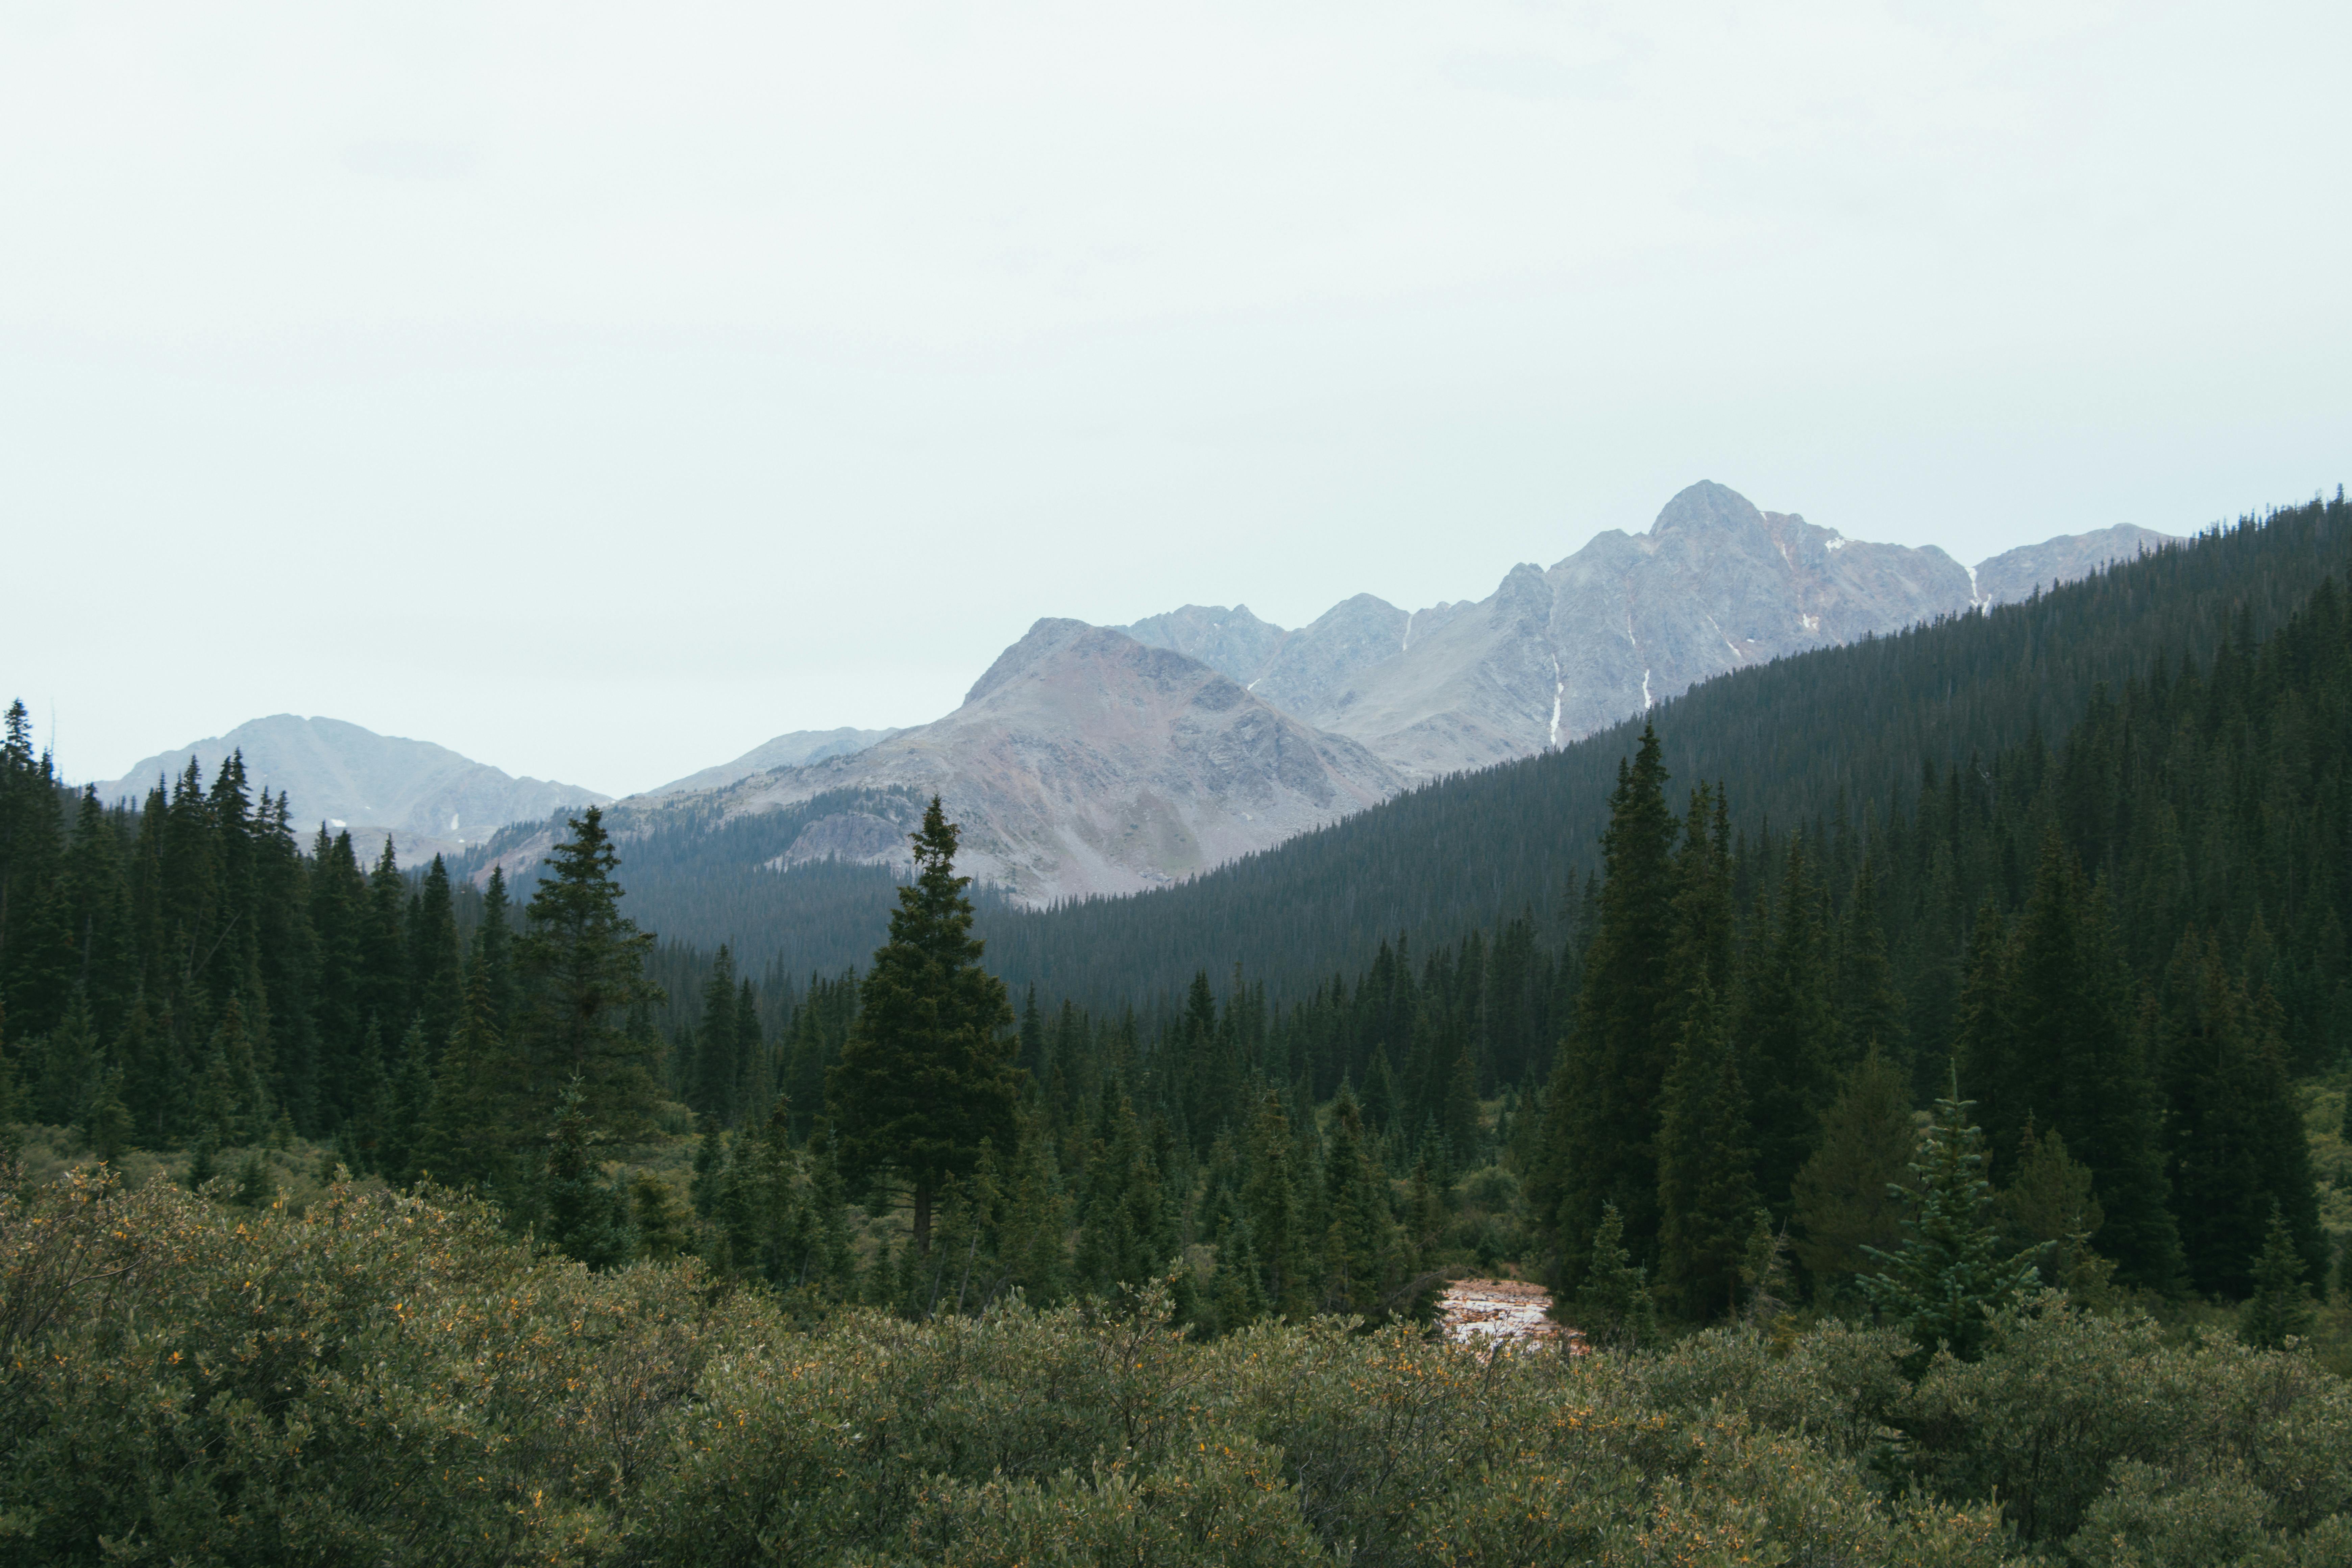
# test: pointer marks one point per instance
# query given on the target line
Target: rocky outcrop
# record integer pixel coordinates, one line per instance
(1234, 643)
(1085, 761)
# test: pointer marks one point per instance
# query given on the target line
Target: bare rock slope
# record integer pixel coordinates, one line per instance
(1626, 621)
(787, 751)
(1085, 761)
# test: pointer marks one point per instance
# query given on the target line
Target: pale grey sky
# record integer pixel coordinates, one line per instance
(599, 390)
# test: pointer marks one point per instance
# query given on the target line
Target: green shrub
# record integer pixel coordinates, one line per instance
(394, 1379)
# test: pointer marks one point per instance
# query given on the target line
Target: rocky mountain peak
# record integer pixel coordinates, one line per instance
(1707, 508)
(1232, 641)
(1085, 761)
(1048, 637)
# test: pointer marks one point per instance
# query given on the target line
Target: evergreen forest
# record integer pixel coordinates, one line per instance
(1917, 1070)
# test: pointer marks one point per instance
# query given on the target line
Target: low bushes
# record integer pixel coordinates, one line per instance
(389, 1379)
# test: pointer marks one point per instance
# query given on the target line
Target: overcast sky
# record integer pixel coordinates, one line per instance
(600, 390)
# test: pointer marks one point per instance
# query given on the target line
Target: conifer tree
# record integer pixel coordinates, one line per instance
(582, 966)
(2049, 1207)
(2079, 1068)
(384, 980)
(1235, 1298)
(477, 1106)
(1359, 1251)
(709, 1171)
(1604, 1103)
(231, 1104)
(1614, 1305)
(436, 961)
(927, 1074)
(1461, 1121)
(1124, 1237)
(1788, 1034)
(1951, 1272)
(1275, 1214)
(109, 1128)
(1379, 1100)
(1706, 1189)
(2281, 1307)
(662, 1227)
(586, 1218)
(1870, 1008)
(1984, 1043)
(1036, 1241)
(407, 1108)
(493, 954)
(1032, 1058)
(69, 1067)
(1844, 1203)
(755, 1068)
(718, 1058)
(2236, 1139)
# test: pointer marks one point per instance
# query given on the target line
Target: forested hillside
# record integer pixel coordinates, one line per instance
(1791, 742)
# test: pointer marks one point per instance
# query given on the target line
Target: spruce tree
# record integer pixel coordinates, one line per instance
(436, 959)
(1614, 1308)
(1600, 1145)
(2236, 1140)
(586, 1218)
(664, 1231)
(1870, 1008)
(718, 1058)
(1461, 1120)
(1275, 1213)
(2079, 1067)
(927, 1075)
(384, 986)
(1706, 1188)
(110, 1129)
(581, 963)
(1788, 1034)
(1124, 1238)
(477, 1109)
(2049, 1206)
(2281, 1307)
(755, 1067)
(1360, 1262)
(1951, 1273)
(1035, 1242)
(1844, 1202)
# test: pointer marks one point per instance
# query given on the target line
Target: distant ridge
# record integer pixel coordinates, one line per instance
(793, 750)
(429, 799)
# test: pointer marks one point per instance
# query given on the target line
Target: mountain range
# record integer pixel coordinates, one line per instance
(1108, 760)
(1104, 760)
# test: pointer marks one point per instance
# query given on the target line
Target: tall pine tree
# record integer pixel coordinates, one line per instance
(927, 1075)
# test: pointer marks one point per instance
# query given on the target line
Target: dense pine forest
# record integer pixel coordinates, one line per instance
(1918, 1070)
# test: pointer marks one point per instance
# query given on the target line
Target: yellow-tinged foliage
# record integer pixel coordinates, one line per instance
(391, 1379)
